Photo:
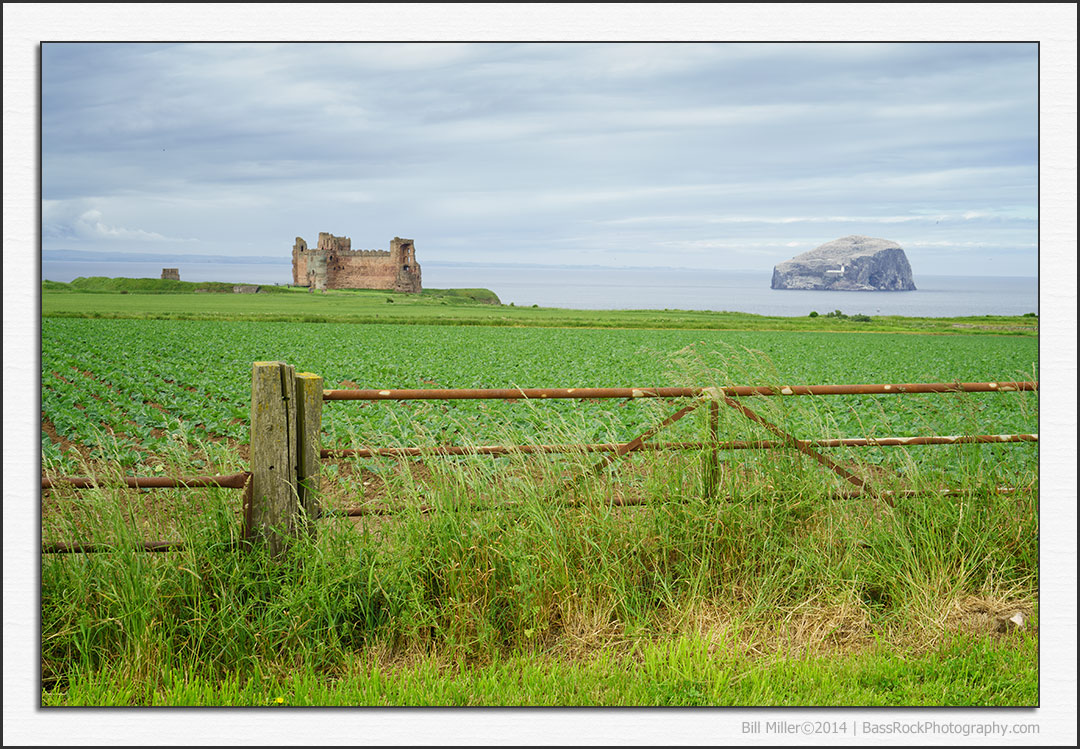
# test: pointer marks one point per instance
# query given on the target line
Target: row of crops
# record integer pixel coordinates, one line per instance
(132, 390)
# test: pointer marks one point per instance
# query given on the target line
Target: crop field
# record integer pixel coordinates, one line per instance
(126, 389)
(771, 592)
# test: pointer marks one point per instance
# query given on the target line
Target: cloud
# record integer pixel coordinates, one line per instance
(245, 146)
(89, 223)
(720, 219)
(995, 245)
(64, 220)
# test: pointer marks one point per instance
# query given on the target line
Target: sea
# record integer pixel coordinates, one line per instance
(597, 288)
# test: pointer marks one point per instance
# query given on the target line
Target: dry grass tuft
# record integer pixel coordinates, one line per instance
(981, 615)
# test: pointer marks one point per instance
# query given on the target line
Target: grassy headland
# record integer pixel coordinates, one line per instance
(179, 300)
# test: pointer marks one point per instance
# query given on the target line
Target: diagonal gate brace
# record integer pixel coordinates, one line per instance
(634, 444)
(800, 445)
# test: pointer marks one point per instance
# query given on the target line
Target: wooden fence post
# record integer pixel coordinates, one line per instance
(275, 498)
(309, 400)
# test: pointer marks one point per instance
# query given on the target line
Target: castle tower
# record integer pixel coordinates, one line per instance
(317, 271)
(328, 241)
(299, 262)
(403, 257)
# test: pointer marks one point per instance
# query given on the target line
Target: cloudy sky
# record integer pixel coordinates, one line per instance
(711, 155)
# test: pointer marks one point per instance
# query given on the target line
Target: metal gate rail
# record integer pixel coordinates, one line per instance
(734, 391)
(711, 395)
(240, 480)
(451, 450)
(300, 428)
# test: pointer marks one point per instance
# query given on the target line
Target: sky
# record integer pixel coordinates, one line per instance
(692, 155)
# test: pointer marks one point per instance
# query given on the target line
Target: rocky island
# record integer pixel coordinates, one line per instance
(853, 263)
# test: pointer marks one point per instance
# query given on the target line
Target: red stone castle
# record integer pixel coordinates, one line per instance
(333, 264)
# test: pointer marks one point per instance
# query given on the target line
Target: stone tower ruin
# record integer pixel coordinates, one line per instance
(333, 264)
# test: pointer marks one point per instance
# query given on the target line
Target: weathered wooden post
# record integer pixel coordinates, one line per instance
(274, 511)
(309, 400)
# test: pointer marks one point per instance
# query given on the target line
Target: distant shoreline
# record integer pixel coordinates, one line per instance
(172, 261)
(633, 288)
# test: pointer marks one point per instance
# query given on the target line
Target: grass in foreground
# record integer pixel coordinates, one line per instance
(770, 594)
(687, 672)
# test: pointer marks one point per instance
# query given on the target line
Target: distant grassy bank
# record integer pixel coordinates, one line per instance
(105, 285)
(155, 299)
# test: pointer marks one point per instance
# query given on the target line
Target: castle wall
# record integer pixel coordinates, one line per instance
(360, 270)
(333, 264)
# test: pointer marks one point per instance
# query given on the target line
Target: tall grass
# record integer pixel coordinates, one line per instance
(493, 558)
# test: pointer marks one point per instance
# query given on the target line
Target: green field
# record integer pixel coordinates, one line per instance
(150, 380)
(160, 300)
(771, 592)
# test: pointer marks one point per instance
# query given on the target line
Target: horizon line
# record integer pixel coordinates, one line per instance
(92, 256)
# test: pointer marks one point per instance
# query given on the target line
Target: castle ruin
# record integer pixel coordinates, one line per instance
(333, 264)
(170, 274)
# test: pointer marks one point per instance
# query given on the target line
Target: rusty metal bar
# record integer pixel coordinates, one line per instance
(247, 511)
(906, 441)
(675, 392)
(380, 509)
(232, 481)
(448, 450)
(453, 450)
(852, 442)
(76, 548)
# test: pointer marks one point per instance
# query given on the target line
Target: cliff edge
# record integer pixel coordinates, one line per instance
(853, 263)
